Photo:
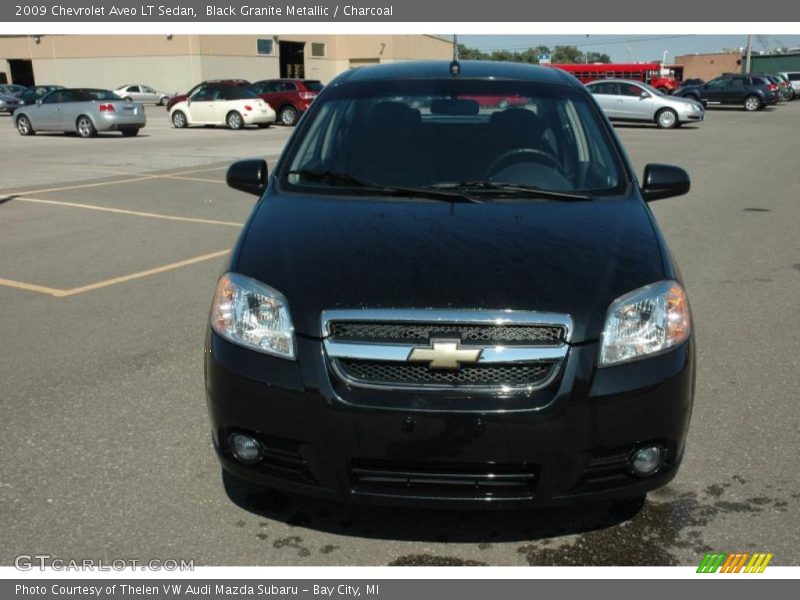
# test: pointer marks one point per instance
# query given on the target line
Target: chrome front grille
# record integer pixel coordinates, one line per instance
(432, 349)
(422, 333)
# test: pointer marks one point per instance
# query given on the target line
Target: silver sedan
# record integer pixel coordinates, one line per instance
(9, 103)
(83, 111)
(626, 100)
(142, 93)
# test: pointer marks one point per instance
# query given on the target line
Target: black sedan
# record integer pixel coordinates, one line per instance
(455, 305)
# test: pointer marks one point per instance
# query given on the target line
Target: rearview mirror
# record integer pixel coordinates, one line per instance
(248, 176)
(644, 95)
(664, 181)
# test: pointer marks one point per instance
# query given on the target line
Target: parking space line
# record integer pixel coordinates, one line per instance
(134, 213)
(31, 287)
(82, 185)
(181, 178)
(63, 293)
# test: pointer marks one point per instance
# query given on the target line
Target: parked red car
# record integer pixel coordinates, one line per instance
(181, 97)
(289, 97)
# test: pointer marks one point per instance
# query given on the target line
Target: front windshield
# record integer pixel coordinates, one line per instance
(427, 133)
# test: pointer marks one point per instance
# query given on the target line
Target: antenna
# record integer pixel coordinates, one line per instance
(455, 66)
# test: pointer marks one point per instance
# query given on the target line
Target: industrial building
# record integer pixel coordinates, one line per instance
(174, 63)
(709, 66)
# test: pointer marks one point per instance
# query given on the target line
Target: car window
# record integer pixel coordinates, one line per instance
(289, 86)
(629, 89)
(148, 90)
(423, 133)
(718, 82)
(313, 86)
(54, 97)
(604, 89)
(794, 76)
(204, 94)
(238, 93)
(134, 89)
(738, 82)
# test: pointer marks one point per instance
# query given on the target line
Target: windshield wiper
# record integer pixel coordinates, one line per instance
(349, 181)
(511, 189)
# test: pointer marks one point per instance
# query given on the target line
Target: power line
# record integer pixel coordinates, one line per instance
(584, 44)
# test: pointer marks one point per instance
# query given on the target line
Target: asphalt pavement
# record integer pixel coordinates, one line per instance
(109, 252)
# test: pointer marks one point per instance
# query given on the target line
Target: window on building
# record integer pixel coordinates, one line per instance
(265, 46)
(318, 49)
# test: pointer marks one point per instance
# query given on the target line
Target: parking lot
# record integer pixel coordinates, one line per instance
(111, 248)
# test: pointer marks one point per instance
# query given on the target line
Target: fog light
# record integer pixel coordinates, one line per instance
(246, 449)
(646, 461)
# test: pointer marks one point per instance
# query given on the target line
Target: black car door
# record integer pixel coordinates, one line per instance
(714, 91)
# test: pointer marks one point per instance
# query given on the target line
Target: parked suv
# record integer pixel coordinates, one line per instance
(218, 82)
(753, 92)
(289, 97)
(452, 305)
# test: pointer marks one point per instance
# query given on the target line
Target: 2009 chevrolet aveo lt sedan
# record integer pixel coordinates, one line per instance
(447, 302)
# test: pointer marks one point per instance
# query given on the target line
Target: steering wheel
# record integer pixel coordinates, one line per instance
(521, 155)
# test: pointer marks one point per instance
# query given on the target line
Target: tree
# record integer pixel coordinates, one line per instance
(562, 54)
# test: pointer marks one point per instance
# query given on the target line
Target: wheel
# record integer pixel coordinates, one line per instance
(667, 118)
(130, 131)
(179, 120)
(128, 99)
(234, 120)
(288, 116)
(752, 103)
(162, 101)
(24, 125)
(663, 90)
(85, 127)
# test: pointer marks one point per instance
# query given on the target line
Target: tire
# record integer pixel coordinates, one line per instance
(24, 125)
(234, 120)
(752, 103)
(84, 127)
(667, 118)
(162, 101)
(179, 120)
(288, 116)
(130, 131)
(664, 90)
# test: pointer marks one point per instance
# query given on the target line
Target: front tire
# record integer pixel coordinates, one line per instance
(84, 127)
(24, 125)
(752, 103)
(234, 120)
(179, 120)
(288, 116)
(667, 118)
(162, 101)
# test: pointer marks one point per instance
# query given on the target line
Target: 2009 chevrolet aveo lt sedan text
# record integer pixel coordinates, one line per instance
(446, 302)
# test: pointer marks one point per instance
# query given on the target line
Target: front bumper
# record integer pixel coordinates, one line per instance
(571, 444)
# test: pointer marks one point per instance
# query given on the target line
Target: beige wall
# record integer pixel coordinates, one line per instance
(708, 66)
(177, 62)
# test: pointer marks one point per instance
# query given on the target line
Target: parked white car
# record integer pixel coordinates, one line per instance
(794, 79)
(232, 106)
(627, 100)
(142, 93)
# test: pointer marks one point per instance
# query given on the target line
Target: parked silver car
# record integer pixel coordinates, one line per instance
(9, 103)
(142, 93)
(84, 111)
(626, 100)
(12, 89)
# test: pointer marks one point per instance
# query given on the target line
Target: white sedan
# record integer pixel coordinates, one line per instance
(233, 106)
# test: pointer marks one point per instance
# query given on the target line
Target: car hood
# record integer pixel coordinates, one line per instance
(563, 257)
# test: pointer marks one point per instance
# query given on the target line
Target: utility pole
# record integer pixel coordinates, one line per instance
(749, 53)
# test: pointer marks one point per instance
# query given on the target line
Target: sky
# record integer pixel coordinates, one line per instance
(624, 47)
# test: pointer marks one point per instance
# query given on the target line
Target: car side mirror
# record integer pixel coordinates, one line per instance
(664, 181)
(39, 101)
(644, 96)
(249, 176)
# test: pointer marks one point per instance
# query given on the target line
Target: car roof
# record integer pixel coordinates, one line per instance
(469, 69)
(616, 80)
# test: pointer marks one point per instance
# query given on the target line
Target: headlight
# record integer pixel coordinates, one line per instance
(252, 314)
(644, 322)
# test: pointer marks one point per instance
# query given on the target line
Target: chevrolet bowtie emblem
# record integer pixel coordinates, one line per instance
(445, 354)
